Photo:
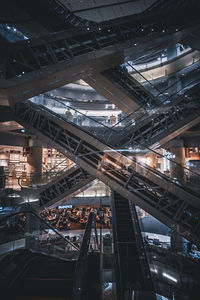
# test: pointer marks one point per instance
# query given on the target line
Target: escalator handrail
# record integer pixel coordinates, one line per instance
(81, 265)
(117, 260)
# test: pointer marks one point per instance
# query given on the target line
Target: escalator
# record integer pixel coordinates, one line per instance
(66, 186)
(119, 87)
(172, 203)
(166, 122)
(52, 187)
(36, 276)
(132, 270)
(148, 130)
(87, 279)
(34, 66)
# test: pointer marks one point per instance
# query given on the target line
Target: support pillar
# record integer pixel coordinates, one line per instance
(35, 160)
(35, 165)
(178, 244)
(32, 228)
(177, 168)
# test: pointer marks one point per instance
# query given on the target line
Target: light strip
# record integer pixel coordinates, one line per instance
(169, 277)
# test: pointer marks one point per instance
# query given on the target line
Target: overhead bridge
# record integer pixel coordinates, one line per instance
(171, 203)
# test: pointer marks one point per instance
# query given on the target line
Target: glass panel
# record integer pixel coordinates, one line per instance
(27, 230)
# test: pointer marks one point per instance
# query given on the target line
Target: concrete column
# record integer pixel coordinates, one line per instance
(177, 170)
(32, 227)
(178, 244)
(35, 160)
(34, 165)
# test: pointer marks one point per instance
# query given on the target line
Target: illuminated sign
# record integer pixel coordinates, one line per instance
(64, 206)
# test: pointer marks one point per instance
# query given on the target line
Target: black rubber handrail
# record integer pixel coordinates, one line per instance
(80, 283)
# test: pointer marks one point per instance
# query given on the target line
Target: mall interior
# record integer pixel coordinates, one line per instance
(100, 150)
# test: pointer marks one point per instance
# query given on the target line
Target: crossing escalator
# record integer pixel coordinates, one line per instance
(132, 271)
(169, 201)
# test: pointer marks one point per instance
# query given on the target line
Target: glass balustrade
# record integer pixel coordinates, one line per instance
(25, 229)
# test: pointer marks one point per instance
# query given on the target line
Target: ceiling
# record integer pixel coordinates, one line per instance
(103, 10)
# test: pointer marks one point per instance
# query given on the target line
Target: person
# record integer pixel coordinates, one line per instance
(67, 248)
(68, 115)
(75, 119)
(79, 120)
(112, 120)
(106, 220)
